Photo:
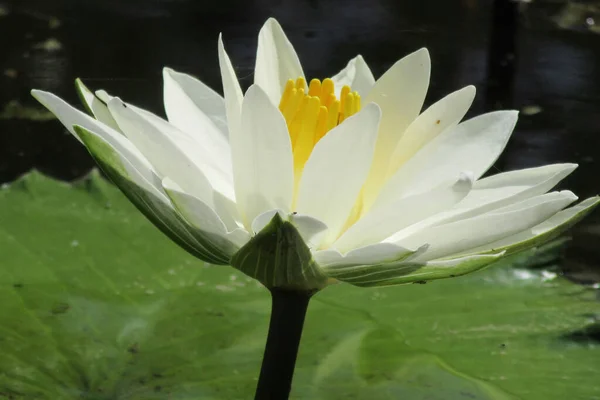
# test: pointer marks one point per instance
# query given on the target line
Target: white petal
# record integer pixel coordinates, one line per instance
(445, 114)
(70, 116)
(164, 153)
(95, 106)
(533, 201)
(101, 149)
(400, 93)
(184, 97)
(214, 160)
(184, 93)
(369, 255)
(385, 221)
(510, 187)
(336, 170)
(263, 162)
(194, 210)
(276, 61)
(457, 237)
(542, 178)
(227, 210)
(262, 220)
(308, 227)
(311, 229)
(495, 192)
(152, 118)
(558, 222)
(195, 108)
(472, 146)
(102, 95)
(231, 90)
(153, 202)
(198, 214)
(357, 75)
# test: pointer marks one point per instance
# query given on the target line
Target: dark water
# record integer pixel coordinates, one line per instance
(542, 57)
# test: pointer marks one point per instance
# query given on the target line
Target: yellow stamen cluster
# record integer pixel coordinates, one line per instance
(309, 116)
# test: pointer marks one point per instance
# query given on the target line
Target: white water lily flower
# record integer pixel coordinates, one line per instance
(299, 185)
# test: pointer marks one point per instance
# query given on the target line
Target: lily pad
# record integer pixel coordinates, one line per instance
(97, 304)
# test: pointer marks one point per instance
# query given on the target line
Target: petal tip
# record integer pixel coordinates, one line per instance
(169, 184)
(372, 108)
(115, 102)
(471, 89)
(167, 71)
(571, 166)
(256, 93)
(569, 195)
(563, 195)
(271, 21)
(424, 53)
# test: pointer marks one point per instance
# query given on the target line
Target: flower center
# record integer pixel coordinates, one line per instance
(309, 116)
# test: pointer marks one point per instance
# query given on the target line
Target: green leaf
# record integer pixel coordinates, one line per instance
(278, 257)
(97, 304)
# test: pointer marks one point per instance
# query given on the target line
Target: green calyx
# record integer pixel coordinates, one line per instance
(278, 258)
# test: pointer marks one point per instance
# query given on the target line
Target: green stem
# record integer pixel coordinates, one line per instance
(285, 330)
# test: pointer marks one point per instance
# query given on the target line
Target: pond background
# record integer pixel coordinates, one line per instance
(541, 57)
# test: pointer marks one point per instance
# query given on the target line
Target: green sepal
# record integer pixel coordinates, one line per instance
(160, 214)
(354, 274)
(278, 258)
(82, 92)
(399, 273)
(95, 107)
(439, 270)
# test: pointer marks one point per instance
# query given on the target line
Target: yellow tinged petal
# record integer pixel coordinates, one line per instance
(296, 124)
(304, 140)
(309, 116)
